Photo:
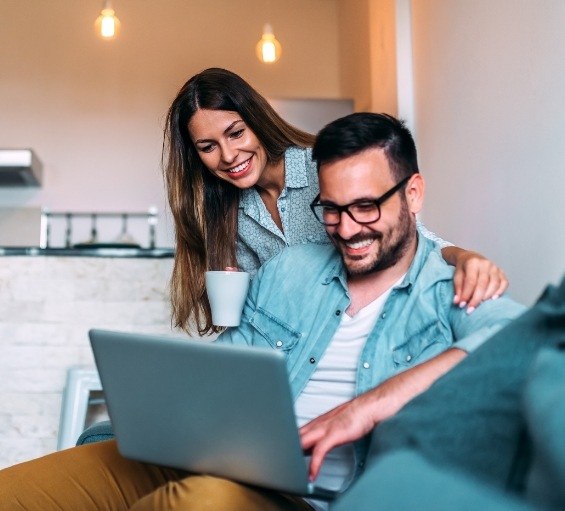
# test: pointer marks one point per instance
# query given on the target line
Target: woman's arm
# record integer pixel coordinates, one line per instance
(433, 236)
(476, 278)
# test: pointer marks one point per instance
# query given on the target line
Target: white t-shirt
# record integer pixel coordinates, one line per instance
(333, 383)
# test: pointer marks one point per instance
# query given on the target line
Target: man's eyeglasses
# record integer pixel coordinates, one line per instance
(365, 211)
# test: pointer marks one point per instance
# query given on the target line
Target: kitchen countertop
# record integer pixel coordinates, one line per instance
(89, 252)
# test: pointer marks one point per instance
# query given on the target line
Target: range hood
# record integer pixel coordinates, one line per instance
(19, 167)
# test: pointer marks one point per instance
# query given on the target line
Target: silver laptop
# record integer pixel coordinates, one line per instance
(204, 407)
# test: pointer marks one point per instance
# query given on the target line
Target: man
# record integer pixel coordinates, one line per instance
(372, 316)
(365, 325)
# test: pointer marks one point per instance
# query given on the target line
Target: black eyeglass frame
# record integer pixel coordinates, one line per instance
(378, 202)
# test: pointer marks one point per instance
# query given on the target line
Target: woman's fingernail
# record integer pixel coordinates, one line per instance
(455, 298)
(495, 297)
(462, 304)
(470, 310)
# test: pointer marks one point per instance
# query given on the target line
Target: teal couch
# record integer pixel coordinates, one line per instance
(526, 474)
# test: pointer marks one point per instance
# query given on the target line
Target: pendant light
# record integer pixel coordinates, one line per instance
(107, 24)
(268, 48)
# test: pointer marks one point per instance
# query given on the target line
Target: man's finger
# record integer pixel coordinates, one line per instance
(311, 433)
(318, 455)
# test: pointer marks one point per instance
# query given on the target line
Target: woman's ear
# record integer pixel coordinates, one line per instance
(414, 191)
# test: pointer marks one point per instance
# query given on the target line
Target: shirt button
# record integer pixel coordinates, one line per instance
(337, 312)
(366, 365)
(361, 464)
(383, 315)
(312, 360)
(279, 344)
(283, 209)
(408, 358)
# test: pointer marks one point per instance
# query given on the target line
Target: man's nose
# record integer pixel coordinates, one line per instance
(347, 227)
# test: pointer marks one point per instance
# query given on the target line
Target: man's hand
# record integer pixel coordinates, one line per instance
(476, 278)
(356, 418)
(344, 424)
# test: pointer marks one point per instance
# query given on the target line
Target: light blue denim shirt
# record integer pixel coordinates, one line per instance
(259, 238)
(295, 304)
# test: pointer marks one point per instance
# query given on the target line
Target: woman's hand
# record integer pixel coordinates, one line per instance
(476, 278)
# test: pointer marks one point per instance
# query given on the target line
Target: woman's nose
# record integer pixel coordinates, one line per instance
(228, 153)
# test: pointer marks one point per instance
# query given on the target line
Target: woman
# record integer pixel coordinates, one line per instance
(239, 180)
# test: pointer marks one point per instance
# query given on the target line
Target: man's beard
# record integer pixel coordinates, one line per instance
(392, 246)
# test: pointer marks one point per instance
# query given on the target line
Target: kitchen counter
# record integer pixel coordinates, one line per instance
(47, 306)
(150, 253)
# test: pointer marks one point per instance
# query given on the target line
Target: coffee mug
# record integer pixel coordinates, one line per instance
(226, 293)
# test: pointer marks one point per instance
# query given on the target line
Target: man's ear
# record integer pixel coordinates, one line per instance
(415, 190)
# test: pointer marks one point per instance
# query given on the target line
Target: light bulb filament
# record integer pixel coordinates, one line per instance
(108, 24)
(269, 51)
(268, 48)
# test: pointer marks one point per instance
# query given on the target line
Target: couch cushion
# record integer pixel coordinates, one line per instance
(403, 480)
(545, 415)
(472, 417)
(96, 433)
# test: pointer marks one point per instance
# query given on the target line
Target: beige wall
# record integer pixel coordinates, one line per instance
(93, 110)
(490, 109)
(355, 52)
(383, 56)
(367, 54)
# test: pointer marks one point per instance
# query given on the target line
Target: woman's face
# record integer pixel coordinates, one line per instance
(227, 147)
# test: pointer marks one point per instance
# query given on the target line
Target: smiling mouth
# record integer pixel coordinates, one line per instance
(359, 244)
(239, 168)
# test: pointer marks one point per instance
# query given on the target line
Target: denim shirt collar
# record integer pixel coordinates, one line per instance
(425, 246)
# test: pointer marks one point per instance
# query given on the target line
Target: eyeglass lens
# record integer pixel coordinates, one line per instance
(362, 212)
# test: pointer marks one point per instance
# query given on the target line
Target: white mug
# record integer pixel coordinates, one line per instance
(226, 293)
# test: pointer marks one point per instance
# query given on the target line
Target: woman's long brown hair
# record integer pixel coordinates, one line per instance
(205, 208)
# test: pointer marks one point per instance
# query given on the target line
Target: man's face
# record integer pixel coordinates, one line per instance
(381, 244)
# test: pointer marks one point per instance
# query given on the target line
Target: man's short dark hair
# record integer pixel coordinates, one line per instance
(357, 132)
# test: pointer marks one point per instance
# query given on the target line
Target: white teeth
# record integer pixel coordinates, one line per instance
(360, 244)
(239, 168)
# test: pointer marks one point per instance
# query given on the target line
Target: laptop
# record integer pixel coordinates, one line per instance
(203, 407)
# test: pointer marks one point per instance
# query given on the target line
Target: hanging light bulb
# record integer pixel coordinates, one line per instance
(107, 24)
(268, 48)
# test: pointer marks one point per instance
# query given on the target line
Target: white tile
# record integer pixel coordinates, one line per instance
(47, 306)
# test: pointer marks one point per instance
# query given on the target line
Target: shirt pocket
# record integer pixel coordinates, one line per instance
(276, 332)
(421, 345)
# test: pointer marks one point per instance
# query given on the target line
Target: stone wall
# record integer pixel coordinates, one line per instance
(47, 306)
